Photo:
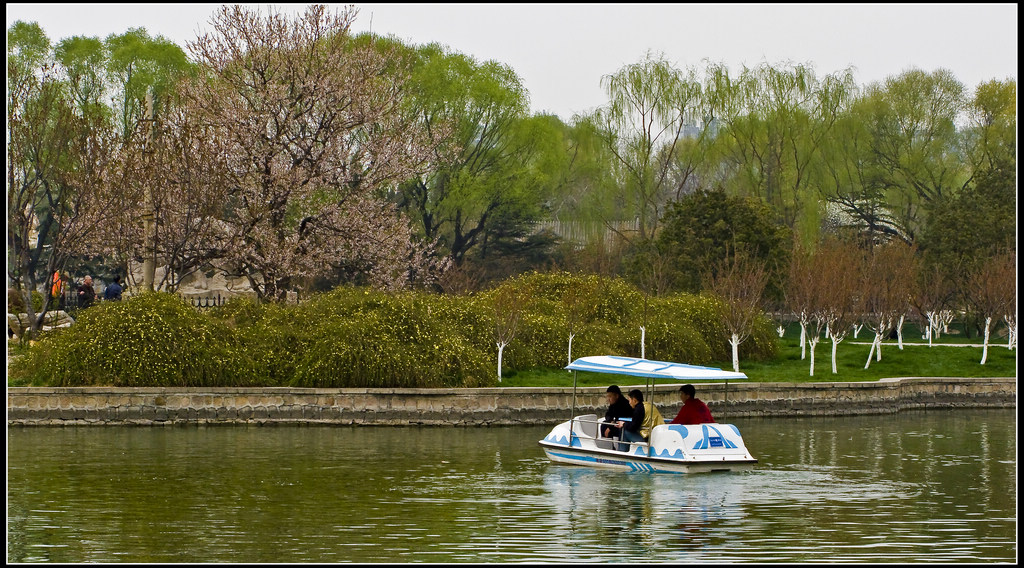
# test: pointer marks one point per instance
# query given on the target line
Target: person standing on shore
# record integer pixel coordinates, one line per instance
(114, 290)
(57, 291)
(86, 294)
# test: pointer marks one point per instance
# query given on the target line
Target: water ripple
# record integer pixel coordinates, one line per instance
(849, 490)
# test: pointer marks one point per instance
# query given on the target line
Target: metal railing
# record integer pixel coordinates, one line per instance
(68, 301)
(613, 441)
(204, 302)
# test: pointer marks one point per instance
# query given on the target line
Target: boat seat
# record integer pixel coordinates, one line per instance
(587, 425)
(601, 442)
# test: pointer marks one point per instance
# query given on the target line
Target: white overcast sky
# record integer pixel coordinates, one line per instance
(561, 51)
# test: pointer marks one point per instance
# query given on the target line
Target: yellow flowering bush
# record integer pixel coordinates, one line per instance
(271, 335)
(358, 337)
(148, 340)
(390, 340)
(605, 315)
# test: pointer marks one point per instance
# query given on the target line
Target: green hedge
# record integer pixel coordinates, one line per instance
(362, 338)
(271, 337)
(356, 337)
(148, 340)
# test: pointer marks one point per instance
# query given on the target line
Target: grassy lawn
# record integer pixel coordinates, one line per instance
(941, 360)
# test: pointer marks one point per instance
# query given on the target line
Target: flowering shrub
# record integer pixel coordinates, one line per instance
(605, 315)
(362, 338)
(357, 337)
(148, 340)
(271, 337)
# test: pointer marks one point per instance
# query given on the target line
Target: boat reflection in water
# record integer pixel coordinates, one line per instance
(647, 512)
(670, 448)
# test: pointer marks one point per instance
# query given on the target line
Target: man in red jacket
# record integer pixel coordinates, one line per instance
(694, 411)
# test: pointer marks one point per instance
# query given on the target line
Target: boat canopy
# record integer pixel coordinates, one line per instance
(655, 369)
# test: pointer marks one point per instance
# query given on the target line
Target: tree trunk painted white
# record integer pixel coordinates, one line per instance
(501, 348)
(856, 329)
(735, 342)
(781, 330)
(803, 340)
(571, 335)
(931, 326)
(643, 338)
(899, 331)
(814, 343)
(835, 346)
(947, 318)
(984, 346)
(871, 351)
(1011, 332)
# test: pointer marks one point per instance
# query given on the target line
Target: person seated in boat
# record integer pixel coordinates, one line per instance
(631, 429)
(618, 407)
(694, 411)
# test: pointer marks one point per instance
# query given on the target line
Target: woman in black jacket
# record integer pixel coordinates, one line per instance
(631, 429)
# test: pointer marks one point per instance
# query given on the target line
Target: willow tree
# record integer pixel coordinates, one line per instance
(698, 156)
(490, 173)
(137, 64)
(915, 158)
(991, 133)
(775, 118)
(83, 60)
(642, 125)
(850, 180)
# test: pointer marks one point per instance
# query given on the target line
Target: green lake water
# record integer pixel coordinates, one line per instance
(918, 486)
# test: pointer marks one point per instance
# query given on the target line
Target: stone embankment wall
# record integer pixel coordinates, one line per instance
(480, 406)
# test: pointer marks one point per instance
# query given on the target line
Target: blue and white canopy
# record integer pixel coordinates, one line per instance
(647, 368)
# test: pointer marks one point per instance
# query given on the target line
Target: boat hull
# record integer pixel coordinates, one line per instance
(672, 448)
(622, 462)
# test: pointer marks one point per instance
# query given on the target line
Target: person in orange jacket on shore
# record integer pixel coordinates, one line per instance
(57, 285)
(694, 411)
(56, 291)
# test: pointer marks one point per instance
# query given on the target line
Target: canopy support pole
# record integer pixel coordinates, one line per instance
(651, 385)
(726, 398)
(572, 417)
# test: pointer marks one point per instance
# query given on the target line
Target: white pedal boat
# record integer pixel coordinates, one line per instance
(671, 448)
